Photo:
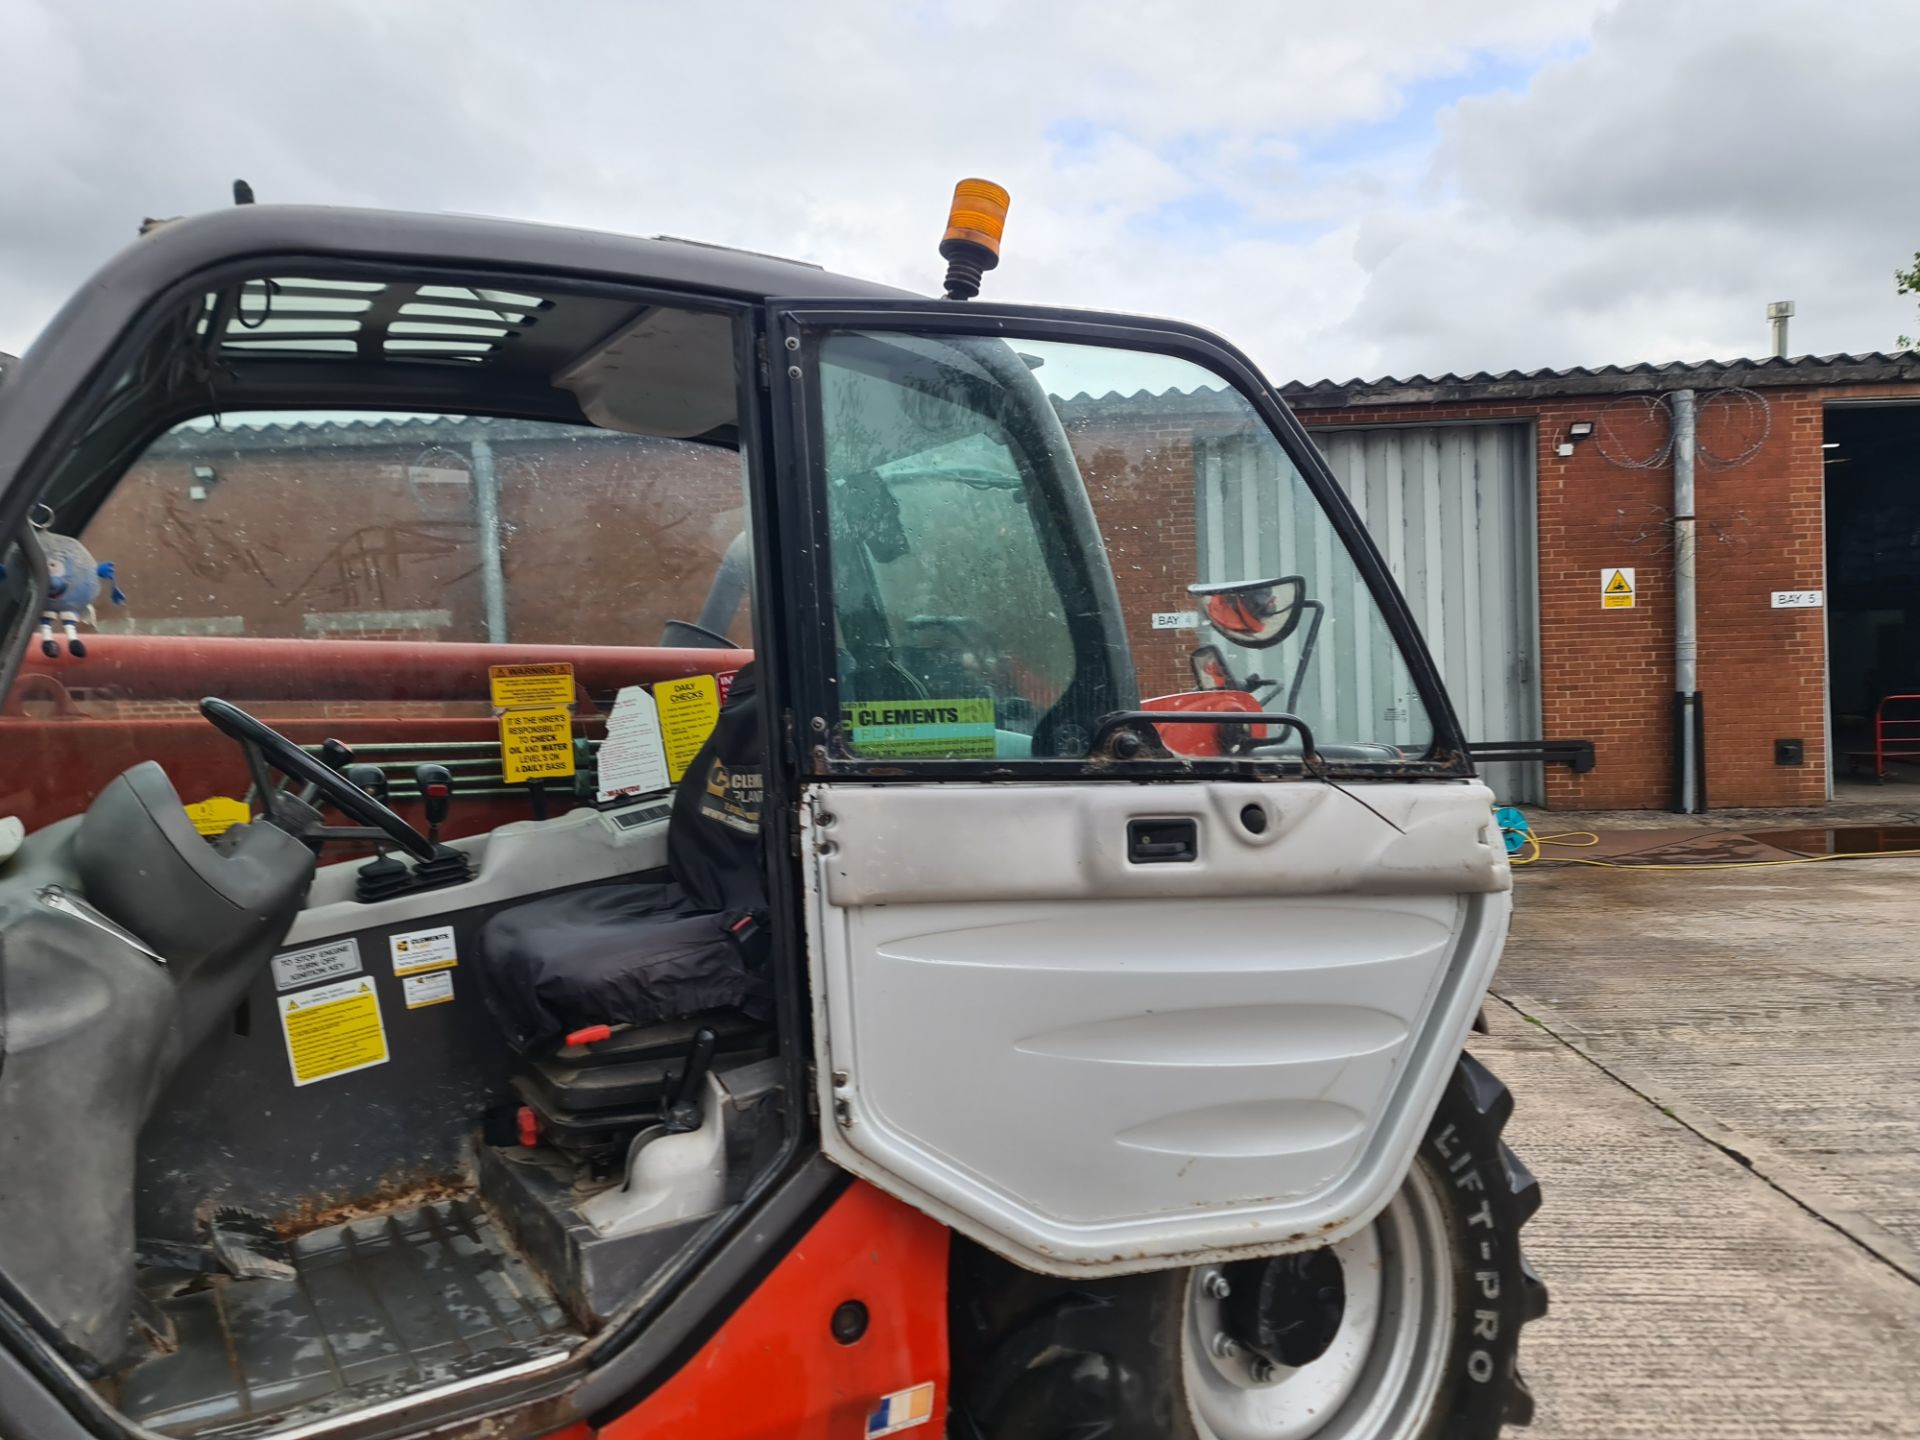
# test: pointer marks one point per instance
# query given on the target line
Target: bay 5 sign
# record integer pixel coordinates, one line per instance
(1008, 929)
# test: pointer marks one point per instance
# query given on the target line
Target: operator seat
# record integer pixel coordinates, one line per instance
(649, 953)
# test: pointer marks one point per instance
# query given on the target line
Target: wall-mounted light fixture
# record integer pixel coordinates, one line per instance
(1578, 430)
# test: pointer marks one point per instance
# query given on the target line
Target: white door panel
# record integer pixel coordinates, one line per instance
(1092, 1064)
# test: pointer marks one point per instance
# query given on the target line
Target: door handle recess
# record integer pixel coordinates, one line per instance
(1162, 842)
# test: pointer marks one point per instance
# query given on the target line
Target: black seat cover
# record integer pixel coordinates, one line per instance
(638, 953)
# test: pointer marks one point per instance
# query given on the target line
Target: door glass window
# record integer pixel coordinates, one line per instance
(1027, 535)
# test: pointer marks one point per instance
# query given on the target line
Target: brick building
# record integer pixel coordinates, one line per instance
(1805, 482)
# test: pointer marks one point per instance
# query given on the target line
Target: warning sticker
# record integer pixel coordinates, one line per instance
(536, 744)
(333, 1030)
(419, 950)
(218, 814)
(315, 963)
(1616, 589)
(420, 991)
(929, 729)
(524, 685)
(688, 709)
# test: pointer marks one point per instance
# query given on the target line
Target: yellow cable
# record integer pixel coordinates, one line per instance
(1534, 851)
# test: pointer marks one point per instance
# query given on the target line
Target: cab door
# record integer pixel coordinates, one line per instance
(1096, 1003)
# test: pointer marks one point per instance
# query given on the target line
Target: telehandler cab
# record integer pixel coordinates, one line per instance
(667, 842)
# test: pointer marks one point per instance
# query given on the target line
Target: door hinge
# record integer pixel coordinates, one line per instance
(760, 362)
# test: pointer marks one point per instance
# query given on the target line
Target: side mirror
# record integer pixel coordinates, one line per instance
(1253, 613)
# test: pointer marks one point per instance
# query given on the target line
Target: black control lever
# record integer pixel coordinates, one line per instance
(684, 1112)
(370, 778)
(382, 877)
(436, 794)
(448, 865)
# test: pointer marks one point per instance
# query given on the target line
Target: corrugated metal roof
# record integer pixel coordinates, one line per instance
(1774, 370)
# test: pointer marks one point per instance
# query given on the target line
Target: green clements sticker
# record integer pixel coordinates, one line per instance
(926, 729)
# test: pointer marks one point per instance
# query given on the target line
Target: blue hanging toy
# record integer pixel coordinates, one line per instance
(74, 581)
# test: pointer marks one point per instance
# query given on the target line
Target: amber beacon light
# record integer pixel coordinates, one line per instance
(971, 246)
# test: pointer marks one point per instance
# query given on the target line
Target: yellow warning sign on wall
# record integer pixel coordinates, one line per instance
(1616, 588)
(688, 709)
(523, 685)
(333, 1030)
(536, 744)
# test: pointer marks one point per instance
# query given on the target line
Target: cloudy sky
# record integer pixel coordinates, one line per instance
(1387, 187)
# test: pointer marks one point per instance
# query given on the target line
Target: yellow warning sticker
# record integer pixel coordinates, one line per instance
(524, 685)
(536, 744)
(1616, 588)
(688, 709)
(333, 1030)
(218, 814)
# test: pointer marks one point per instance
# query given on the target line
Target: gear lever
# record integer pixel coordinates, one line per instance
(383, 876)
(684, 1111)
(436, 793)
(448, 866)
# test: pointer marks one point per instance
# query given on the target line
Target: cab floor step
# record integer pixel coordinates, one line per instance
(376, 1309)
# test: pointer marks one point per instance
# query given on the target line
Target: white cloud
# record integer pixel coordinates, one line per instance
(1299, 177)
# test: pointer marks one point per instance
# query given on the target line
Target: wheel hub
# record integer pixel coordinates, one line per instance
(1344, 1343)
(1286, 1310)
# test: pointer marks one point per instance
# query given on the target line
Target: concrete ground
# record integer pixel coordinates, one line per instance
(1718, 1083)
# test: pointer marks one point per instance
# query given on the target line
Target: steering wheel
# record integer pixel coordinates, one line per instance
(267, 748)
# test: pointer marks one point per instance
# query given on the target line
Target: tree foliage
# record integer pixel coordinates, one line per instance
(1908, 282)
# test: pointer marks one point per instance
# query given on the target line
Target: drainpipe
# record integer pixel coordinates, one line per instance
(486, 515)
(1689, 731)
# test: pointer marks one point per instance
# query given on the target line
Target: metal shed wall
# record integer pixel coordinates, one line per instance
(1452, 508)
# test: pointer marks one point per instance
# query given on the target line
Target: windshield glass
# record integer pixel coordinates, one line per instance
(1028, 535)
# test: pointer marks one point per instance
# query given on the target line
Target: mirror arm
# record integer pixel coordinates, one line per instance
(1306, 650)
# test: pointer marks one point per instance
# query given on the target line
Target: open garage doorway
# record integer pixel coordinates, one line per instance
(1872, 463)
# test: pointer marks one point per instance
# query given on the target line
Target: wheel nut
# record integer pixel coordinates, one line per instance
(1225, 1346)
(1263, 1371)
(1217, 1287)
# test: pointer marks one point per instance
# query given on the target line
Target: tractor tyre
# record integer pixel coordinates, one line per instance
(1407, 1330)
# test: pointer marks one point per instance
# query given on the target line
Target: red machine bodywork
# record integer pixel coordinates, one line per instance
(71, 725)
(774, 1370)
(1201, 739)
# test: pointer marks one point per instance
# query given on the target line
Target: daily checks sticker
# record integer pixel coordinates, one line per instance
(417, 951)
(520, 686)
(333, 1030)
(536, 744)
(688, 709)
(929, 729)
